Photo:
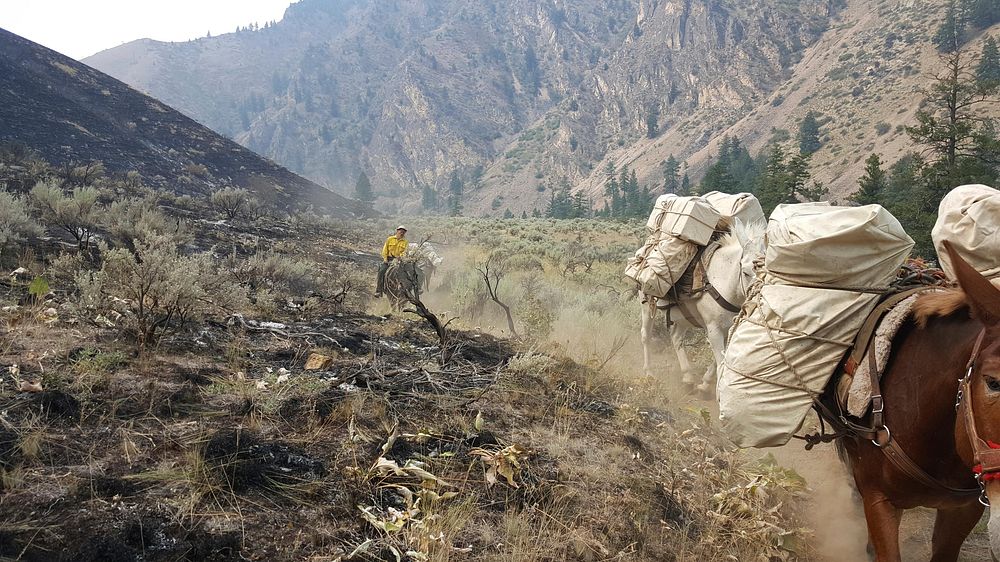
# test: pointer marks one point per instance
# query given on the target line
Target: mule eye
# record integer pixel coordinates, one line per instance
(993, 384)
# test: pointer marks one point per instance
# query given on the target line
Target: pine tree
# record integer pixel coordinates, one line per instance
(948, 125)
(507, 214)
(524, 214)
(651, 123)
(981, 14)
(871, 186)
(671, 175)
(988, 70)
(950, 36)
(428, 198)
(629, 192)
(809, 134)
(455, 189)
(532, 73)
(788, 182)
(363, 189)
(685, 183)
(612, 190)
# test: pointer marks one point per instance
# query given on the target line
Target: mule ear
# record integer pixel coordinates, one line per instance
(983, 297)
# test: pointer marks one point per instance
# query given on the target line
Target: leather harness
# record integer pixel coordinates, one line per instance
(986, 457)
(878, 432)
(698, 270)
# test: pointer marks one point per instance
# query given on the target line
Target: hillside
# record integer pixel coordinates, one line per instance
(532, 91)
(864, 77)
(71, 113)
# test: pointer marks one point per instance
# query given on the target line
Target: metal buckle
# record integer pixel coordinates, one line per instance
(888, 436)
(959, 396)
(983, 498)
(878, 405)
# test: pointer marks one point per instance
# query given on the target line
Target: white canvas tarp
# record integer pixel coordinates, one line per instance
(688, 218)
(659, 264)
(804, 314)
(677, 226)
(742, 206)
(969, 218)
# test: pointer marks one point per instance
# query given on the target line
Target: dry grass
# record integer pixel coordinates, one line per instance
(508, 453)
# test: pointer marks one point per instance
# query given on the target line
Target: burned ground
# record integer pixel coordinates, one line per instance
(219, 445)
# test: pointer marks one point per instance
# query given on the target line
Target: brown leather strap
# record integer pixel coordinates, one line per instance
(720, 299)
(867, 332)
(688, 316)
(985, 456)
(877, 402)
(898, 457)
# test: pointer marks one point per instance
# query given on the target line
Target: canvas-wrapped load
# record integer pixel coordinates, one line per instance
(742, 206)
(688, 218)
(824, 268)
(969, 218)
(659, 264)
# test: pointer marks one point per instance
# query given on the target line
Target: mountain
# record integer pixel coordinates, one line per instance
(69, 112)
(864, 79)
(518, 98)
(528, 90)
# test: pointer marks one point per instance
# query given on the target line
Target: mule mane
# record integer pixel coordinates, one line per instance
(739, 231)
(938, 304)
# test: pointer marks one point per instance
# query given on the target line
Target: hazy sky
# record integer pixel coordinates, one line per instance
(80, 28)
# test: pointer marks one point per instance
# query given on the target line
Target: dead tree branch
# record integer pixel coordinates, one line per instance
(493, 271)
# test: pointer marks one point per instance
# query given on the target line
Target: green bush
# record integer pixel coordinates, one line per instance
(230, 201)
(153, 288)
(76, 213)
(15, 223)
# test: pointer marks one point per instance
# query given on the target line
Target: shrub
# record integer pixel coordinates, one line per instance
(153, 288)
(254, 210)
(15, 223)
(132, 219)
(76, 213)
(197, 170)
(230, 201)
(882, 128)
(268, 273)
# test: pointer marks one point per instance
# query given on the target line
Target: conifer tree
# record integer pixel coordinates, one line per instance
(363, 189)
(951, 34)
(988, 70)
(671, 175)
(871, 186)
(809, 134)
(428, 199)
(455, 189)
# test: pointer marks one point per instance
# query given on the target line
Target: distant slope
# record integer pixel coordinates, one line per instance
(864, 77)
(70, 112)
(532, 90)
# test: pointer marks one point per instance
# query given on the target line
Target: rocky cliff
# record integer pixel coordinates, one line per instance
(512, 96)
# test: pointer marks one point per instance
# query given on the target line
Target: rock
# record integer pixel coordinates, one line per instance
(28, 386)
(20, 272)
(318, 362)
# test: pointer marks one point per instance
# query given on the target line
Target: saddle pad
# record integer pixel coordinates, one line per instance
(857, 394)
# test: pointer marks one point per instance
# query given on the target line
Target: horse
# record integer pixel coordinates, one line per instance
(730, 272)
(403, 281)
(428, 262)
(940, 410)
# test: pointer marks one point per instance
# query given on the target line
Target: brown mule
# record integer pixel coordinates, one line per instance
(954, 335)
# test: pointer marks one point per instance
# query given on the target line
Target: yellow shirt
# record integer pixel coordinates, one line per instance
(394, 247)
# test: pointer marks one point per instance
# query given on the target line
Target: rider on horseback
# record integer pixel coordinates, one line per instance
(394, 247)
